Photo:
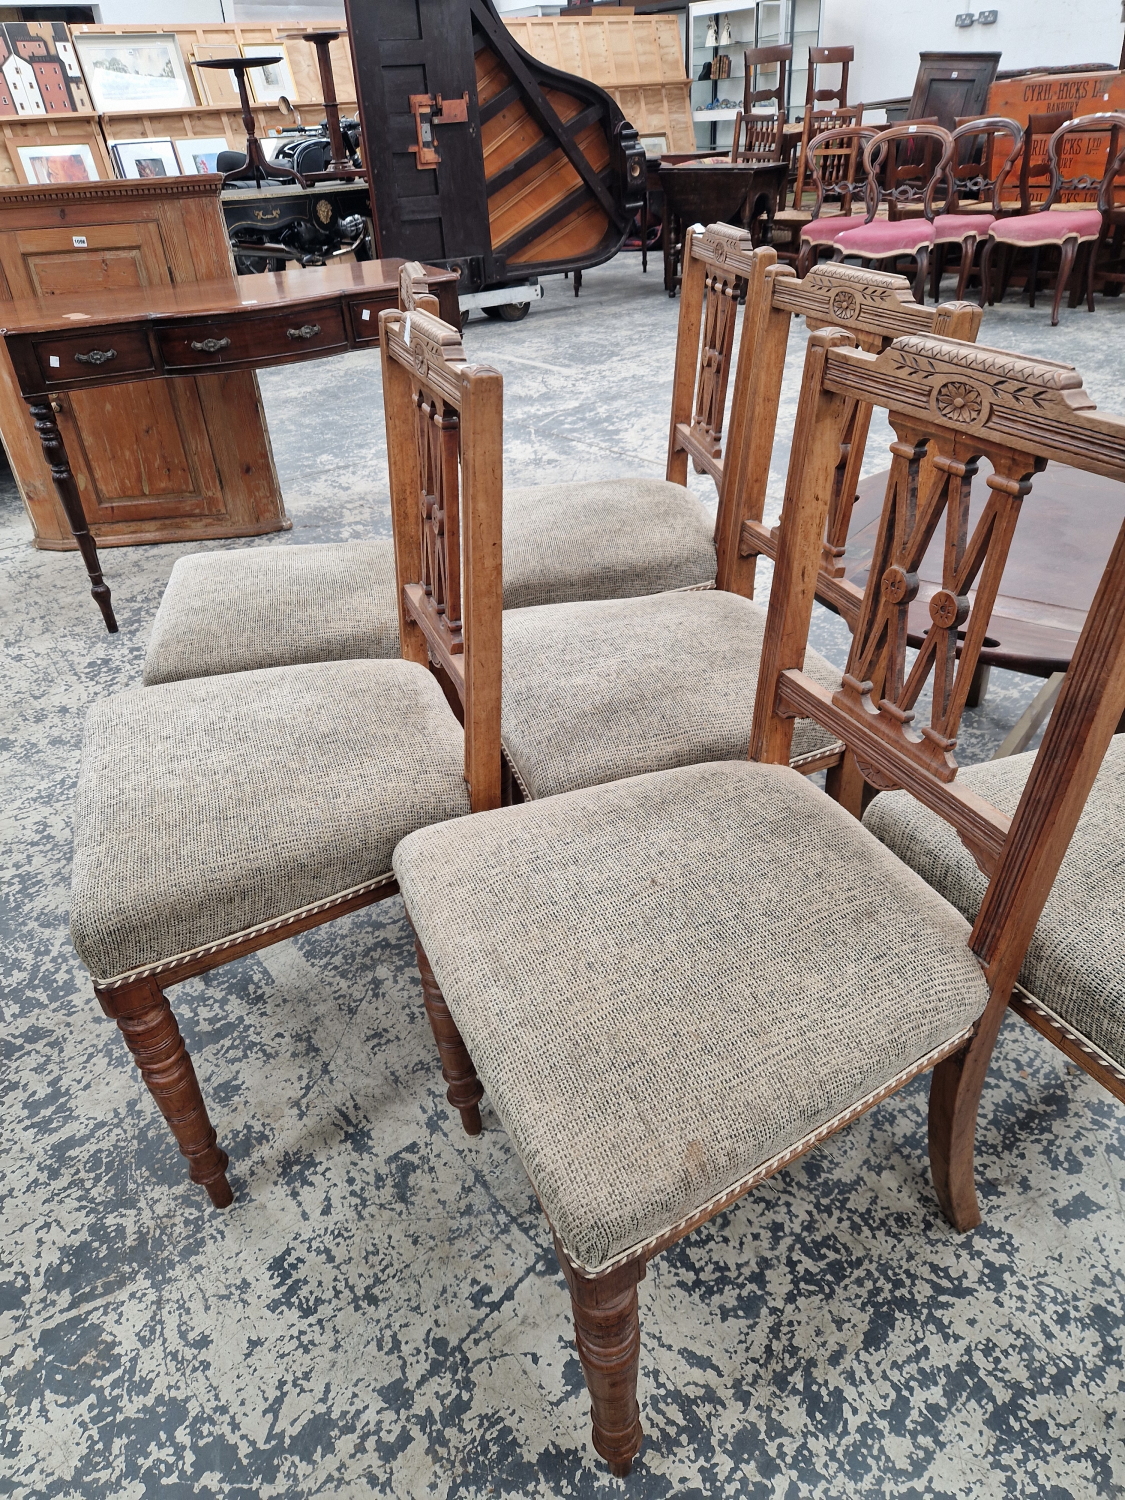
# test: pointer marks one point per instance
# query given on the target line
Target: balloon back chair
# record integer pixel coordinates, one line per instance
(1065, 226)
(674, 986)
(834, 161)
(902, 163)
(985, 151)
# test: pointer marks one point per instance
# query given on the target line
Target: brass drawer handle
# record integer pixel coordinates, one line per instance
(96, 357)
(210, 346)
(306, 331)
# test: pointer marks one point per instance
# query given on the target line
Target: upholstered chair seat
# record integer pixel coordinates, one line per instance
(1050, 227)
(827, 231)
(951, 229)
(250, 800)
(596, 691)
(280, 606)
(668, 983)
(1075, 965)
(884, 237)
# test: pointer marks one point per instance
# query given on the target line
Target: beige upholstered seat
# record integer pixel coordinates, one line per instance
(1075, 964)
(666, 982)
(280, 606)
(250, 798)
(601, 690)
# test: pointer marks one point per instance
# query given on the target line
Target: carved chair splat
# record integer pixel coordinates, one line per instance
(656, 832)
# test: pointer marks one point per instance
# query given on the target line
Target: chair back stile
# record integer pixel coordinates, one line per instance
(413, 289)
(951, 404)
(445, 460)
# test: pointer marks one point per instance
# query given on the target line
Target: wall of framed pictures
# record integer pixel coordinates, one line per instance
(92, 103)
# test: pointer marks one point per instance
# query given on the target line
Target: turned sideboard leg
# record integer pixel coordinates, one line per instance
(54, 451)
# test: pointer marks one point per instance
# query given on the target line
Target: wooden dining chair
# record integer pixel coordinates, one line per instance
(252, 607)
(834, 161)
(834, 113)
(759, 136)
(595, 690)
(984, 154)
(903, 163)
(673, 987)
(1067, 227)
(220, 815)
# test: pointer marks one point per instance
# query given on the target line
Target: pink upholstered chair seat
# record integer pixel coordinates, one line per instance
(882, 237)
(953, 228)
(825, 231)
(1049, 228)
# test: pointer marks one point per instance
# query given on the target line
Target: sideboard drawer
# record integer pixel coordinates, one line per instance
(63, 359)
(253, 341)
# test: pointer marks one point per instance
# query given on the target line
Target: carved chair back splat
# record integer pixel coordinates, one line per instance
(445, 460)
(877, 308)
(958, 405)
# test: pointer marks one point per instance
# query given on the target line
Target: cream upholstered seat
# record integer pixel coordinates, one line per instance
(279, 606)
(1074, 965)
(601, 690)
(666, 982)
(249, 799)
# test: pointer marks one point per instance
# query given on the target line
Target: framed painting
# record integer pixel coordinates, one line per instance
(268, 84)
(56, 163)
(152, 157)
(134, 73)
(199, 154)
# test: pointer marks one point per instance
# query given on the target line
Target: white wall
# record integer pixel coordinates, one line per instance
(889, 34)
(158, 12)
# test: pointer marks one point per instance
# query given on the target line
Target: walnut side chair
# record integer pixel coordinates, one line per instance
(1066, 227)
(834, 160)
(898, 183)
(563, 943)
(981, 162)
(219, 815)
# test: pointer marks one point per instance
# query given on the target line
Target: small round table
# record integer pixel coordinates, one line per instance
(257, 166)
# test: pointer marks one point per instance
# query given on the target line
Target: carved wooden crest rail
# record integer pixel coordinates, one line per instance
(873, 306)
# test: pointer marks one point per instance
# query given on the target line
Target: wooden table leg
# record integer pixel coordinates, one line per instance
(43, 415)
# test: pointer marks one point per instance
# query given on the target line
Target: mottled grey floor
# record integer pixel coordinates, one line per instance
(380, 1312)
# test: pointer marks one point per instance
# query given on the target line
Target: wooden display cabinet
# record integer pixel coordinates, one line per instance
(165, 460)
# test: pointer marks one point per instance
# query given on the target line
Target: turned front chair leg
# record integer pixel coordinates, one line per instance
(968, 254)
(607, 1332)
(54, 451)
(465, 1091)
(1066, 265)
(923, 258)
(146, 1021)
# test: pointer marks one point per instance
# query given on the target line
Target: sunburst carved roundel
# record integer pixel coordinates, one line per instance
(844, 305)
(957, 401)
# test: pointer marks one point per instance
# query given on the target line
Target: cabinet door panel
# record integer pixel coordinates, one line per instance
(113, 258)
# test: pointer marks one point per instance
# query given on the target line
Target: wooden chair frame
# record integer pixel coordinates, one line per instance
(950, 405)
(424, 373)
(759, 137)
(818, 121)
(976, 175)
(835, 161)
(897, 184)
(1111, 124)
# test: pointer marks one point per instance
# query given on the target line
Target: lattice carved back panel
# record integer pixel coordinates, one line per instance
(438, 436)
(953, 407)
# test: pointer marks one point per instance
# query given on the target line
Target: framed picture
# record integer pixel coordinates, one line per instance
(198, 155)
(268, 84)
(132, 73)
(55, 163)
(153, 157)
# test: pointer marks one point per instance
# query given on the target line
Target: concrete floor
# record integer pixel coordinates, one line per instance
(380, 1312)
